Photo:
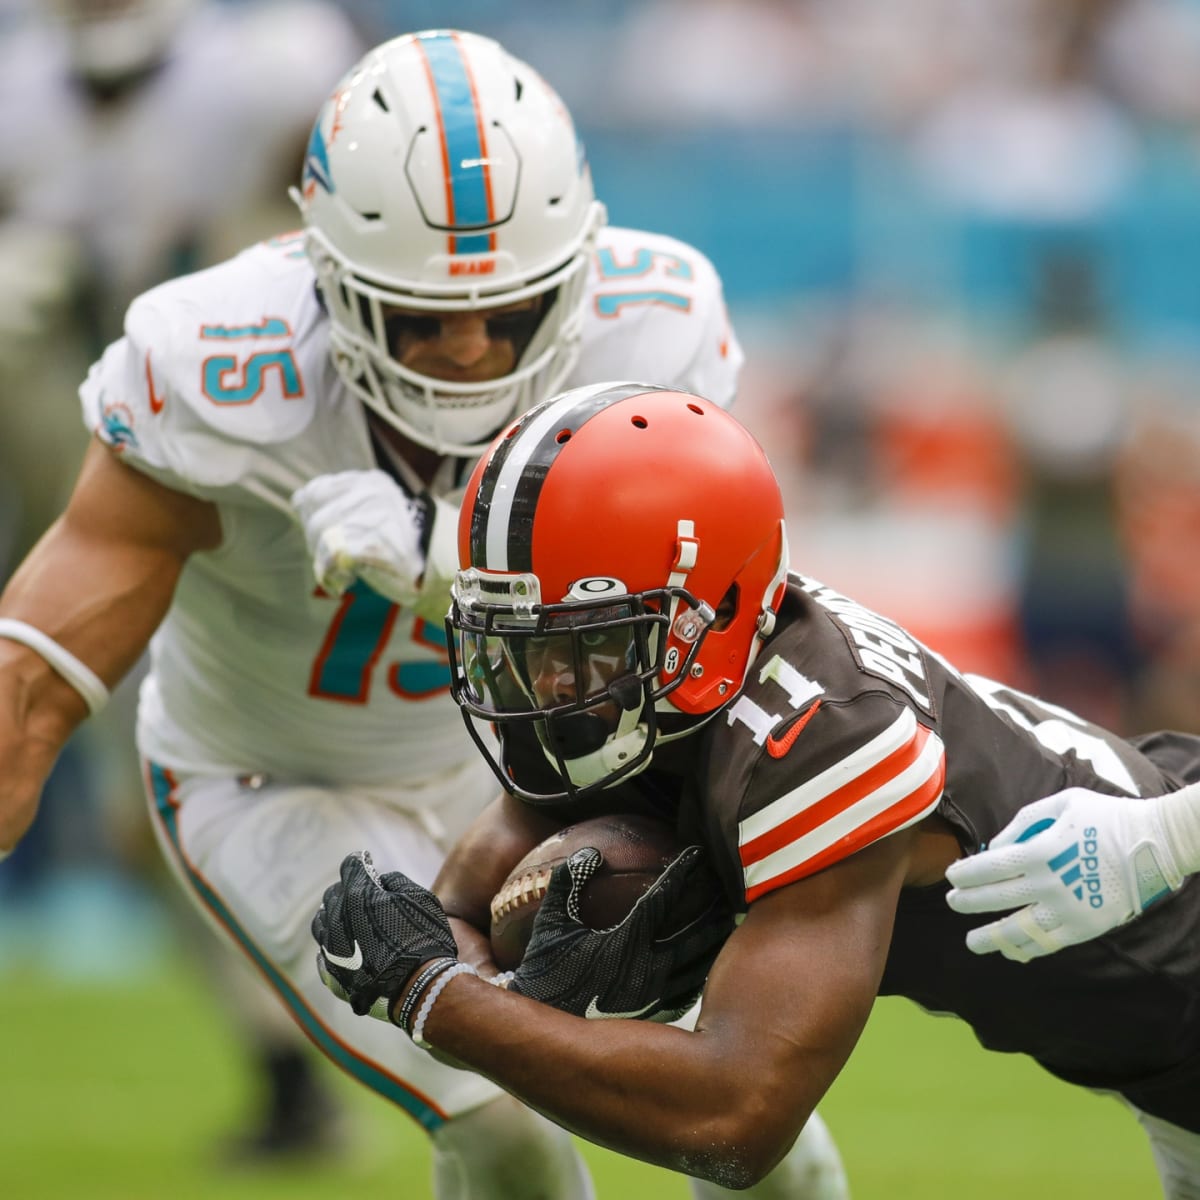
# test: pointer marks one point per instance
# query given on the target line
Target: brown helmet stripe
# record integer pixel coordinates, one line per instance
(503, 511)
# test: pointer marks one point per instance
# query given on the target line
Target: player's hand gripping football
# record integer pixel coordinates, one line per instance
(374, 931)
(652, 965)
(1074, 865)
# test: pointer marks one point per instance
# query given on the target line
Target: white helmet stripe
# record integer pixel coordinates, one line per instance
(537, 423)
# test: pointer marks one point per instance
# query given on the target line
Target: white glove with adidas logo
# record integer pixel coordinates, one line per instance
(1074, 865)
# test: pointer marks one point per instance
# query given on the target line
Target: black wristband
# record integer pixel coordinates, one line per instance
(427, 975)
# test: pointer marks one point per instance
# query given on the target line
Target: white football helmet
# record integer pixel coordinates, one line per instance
(110, 40)
(444, 175)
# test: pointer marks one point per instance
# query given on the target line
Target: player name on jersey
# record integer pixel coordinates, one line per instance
(879, 646)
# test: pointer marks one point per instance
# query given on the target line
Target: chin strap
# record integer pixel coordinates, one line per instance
(623, 746)
(767, 616)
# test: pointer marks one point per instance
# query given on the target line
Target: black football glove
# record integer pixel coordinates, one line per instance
(374, 932)
(649, 966)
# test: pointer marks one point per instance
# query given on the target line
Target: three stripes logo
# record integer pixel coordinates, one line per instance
(1067, 868)
(1080, 871)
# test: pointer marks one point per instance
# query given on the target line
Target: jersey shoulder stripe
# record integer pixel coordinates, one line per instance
(890, 782)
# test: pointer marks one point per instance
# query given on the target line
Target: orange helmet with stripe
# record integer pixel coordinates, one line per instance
(623, 555)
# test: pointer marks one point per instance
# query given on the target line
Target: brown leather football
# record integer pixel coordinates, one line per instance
(636, 850)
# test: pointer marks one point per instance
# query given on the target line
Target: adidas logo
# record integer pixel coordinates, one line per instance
(1081, 872)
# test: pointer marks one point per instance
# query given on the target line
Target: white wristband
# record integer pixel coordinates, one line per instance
(435, 990)
(79, 675)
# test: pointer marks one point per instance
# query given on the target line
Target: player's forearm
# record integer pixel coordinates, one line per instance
(474, 947)
(1180, 813)
(38, 711)
(478, 864)
(650, 1091)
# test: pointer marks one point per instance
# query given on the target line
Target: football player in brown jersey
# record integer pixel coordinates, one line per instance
(626, 634)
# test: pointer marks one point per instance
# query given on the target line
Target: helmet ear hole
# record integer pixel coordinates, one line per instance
(727, 609)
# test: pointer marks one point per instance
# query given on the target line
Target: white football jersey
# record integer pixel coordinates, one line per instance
(151, 175)
(223, 387)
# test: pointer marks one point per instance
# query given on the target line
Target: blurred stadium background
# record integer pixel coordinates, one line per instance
(961, 245)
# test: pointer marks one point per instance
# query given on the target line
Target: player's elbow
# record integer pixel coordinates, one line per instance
(742, 1147)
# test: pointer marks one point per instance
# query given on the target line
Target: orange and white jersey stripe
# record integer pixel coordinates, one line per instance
(891, 781)
(848, 730)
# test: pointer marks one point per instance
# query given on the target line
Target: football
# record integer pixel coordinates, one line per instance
(636, 850)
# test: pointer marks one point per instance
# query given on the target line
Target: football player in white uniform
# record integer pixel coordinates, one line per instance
(270, 496)
(140, 139)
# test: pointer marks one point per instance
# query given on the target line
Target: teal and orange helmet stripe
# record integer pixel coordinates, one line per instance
(463, 133)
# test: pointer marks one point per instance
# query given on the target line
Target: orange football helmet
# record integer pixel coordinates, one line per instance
(623, 556)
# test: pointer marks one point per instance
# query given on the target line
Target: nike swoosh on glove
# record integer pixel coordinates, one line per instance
(374, 932)
(652, 965)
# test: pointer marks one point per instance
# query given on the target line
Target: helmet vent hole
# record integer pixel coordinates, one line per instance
(563, 435)
(696, 409)
(639, 422)
(518, 88)
(379, 99)
(370, 216)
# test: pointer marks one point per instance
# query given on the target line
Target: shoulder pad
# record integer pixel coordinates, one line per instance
(240, 347)
(656, 312)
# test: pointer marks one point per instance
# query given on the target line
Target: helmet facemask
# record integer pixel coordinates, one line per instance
(450, 417)
(585, 676)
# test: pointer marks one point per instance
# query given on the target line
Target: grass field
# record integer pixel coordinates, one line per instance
(115, 1093)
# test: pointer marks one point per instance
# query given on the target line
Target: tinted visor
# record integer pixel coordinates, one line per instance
(566, 659)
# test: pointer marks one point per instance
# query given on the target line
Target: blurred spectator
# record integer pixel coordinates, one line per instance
(903, 488)
(696, 64)
(1148, 56)
(139, 139)
(1158, 508)
(1030, 133)
(1068, 392)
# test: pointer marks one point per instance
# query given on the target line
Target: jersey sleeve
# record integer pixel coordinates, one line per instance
(827, 782)
(656, 314)
(131, 401)
(196, 401)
